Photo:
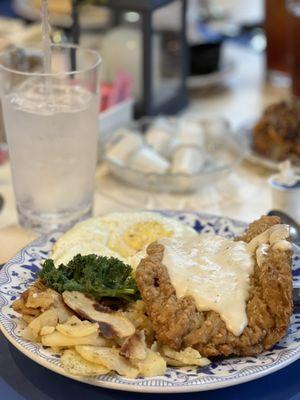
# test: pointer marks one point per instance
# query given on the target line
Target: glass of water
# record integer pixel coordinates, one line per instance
(51, 123)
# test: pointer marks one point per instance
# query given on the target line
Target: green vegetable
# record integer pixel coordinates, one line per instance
(94, 275)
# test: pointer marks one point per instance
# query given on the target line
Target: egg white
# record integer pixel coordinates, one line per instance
(104, 235)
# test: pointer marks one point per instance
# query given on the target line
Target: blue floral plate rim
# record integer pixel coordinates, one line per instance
(20, 272)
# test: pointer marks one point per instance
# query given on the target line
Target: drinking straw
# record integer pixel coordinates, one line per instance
(75, 33)
(75, 22)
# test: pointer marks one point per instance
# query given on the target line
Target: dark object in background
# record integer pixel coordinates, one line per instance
(170, 95)
(205, 58)
(276, 134)
(294, 49)
(1, 206)
(276, 29)
(6, 9)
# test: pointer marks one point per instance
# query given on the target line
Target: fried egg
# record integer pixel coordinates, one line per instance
(121, 235)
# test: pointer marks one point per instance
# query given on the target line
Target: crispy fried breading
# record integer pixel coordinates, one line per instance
(178, 324)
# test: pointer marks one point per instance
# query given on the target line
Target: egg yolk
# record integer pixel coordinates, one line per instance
(143, 233)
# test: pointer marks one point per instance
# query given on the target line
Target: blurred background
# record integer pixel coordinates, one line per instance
(198, 100)
(158, 59)
(225, 59)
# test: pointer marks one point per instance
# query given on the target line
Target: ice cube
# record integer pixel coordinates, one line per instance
(158, 139)
(123, 144)
(160, 136)
(190, 133)
(148, 160)
(187, 160)
(46, 98)
(215, 128)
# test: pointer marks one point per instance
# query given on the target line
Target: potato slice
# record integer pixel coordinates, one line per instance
(74, 327)
(149, 362)
(19, 306)
(64, 313)
(57, 339)
(48, 318)
(28, 334)
(110, 358)
(77, 365)
(152, 365)
(38, 299)
(27, 318)
(186, 357)
(136, 313)
(112, 324)
(57, 350)
(47, 330)
(134, 347)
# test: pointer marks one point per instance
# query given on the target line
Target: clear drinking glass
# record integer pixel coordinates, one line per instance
(51, 123)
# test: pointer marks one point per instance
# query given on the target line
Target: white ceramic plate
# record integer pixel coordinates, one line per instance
(246, 131)
(20, 272)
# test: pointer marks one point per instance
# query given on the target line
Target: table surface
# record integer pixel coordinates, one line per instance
(244, 195)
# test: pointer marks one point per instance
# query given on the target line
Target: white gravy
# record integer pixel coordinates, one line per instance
(216, 271)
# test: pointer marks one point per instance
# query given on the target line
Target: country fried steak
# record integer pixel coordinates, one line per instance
(178, 324)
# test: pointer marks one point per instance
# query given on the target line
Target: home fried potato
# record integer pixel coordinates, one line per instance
(28, 334)
(38, 299)
(47, 330)
(58, 350)
(136, 313)
(112, 324)
(134, 347)
(20, 307)
(27, 318)
(186, 357)
(47, 318)
(110, 358)
(64, 313)
(148, 361)
(57, 339)
(75, 328)
(152, 365)
(77, 365)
